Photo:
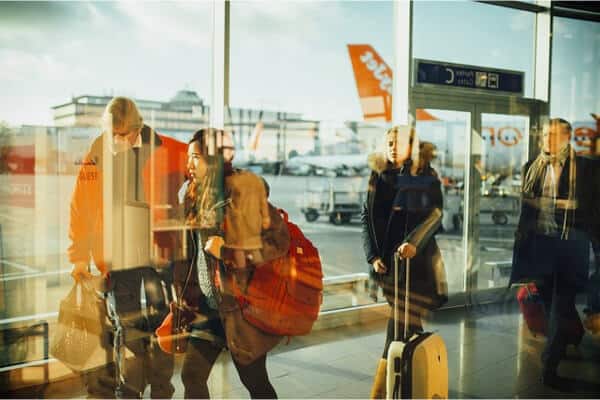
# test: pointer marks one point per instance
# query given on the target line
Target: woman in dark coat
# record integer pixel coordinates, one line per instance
(391, 224)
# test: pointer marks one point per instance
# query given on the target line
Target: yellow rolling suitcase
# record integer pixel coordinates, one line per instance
(417, 367)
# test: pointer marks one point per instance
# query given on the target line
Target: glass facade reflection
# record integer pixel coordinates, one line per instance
(309, 92)
(315, 161)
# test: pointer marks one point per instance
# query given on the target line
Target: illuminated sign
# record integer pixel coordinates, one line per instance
(469, 77)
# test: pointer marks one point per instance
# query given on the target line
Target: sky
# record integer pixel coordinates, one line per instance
(288, 56)
(52, 51)
(576, 74)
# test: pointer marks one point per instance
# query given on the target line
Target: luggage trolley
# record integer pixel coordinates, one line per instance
(339, 205)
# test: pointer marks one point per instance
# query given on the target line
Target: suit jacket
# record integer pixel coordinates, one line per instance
(583, 222)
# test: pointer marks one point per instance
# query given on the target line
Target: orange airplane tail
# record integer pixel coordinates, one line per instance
(255, 137)
(373, 79)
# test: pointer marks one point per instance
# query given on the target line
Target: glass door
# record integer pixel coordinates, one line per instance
(481, 144)
(499, 148)
(446, 132)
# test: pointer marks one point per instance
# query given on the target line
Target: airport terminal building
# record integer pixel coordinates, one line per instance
(303, 93)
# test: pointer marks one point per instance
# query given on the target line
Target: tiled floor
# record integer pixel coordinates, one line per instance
(491, 355)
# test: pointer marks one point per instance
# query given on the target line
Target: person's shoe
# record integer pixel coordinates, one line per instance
(551, 379)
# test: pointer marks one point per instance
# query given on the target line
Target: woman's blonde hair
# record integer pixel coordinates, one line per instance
(412, 137)
(123, 113)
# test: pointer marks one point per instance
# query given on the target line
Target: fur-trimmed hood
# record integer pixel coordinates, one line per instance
(378, 162)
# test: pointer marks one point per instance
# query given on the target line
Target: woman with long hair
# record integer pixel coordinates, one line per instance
(205, 211)
(401, 215)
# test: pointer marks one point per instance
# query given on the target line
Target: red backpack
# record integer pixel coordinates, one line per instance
(284, 295)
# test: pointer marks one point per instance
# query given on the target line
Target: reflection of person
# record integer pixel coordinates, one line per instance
(208, 336)
(131, 156)
(247, 215)
(228, 147)
(427, 153)
(248, 212)
(387, 230)
(559, 215)
(130, 143)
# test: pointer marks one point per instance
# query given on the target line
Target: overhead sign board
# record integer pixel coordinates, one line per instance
(468, 77)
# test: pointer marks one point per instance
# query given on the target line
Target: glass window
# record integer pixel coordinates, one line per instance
(498, 157)
(310, 99)
(575, 90)
(446, 132)
(61, 64)
(441, 34)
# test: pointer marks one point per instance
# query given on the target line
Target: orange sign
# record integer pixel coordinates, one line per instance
(506, 135)
(586, 138)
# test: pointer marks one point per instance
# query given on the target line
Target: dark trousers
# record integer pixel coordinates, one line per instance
(558, 293)
(558, 290)
(199, 359)
(149, 365)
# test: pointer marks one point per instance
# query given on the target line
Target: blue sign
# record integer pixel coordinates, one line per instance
(470, 77)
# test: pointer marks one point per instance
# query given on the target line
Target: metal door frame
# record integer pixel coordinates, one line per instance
(424, 97)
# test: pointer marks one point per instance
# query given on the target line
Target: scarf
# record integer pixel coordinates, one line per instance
(536, 173)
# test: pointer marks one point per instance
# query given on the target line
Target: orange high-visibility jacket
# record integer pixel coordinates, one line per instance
(86, 222)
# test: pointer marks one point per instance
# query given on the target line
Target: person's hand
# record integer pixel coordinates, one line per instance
(213, 246)
(80, 271)
(407, 250)
(379, 266)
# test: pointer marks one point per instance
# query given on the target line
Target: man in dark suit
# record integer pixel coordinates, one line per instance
(559, 217)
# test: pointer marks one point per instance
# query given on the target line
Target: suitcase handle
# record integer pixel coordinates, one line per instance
(406, 296)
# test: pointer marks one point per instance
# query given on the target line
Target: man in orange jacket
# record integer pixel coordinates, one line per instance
(131, 140)
(134, 165)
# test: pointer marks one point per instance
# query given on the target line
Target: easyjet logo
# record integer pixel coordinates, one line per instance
(379, 70)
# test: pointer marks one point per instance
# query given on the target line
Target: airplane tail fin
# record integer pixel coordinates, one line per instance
(374, 84)
(254, 139)
(373, 81)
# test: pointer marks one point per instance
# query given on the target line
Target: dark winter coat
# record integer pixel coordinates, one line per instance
(381, 236)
